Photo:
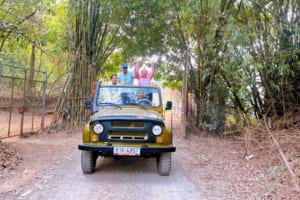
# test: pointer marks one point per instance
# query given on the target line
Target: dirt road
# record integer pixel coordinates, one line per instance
(51, 170)
(203, 167)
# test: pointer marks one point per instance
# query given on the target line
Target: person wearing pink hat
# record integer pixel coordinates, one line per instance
(144, 77)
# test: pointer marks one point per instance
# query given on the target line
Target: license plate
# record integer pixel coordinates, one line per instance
(127, 151)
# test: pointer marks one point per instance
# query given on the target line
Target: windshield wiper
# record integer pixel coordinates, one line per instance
(110, 104)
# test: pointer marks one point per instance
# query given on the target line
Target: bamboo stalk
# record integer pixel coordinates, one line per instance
(283, 157)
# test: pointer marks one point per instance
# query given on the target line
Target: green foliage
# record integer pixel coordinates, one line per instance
(39, 23)
(241, 55)
(111, 66)
(145, 27)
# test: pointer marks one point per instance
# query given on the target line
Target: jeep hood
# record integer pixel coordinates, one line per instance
(137, 114)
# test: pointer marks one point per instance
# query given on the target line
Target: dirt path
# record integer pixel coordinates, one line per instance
(51, 170)
(203, 167)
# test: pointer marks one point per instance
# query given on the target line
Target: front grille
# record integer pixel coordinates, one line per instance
(127, 131)
(115, 135)
(127, 124)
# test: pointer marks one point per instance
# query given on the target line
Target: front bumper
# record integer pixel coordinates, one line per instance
(108, 150)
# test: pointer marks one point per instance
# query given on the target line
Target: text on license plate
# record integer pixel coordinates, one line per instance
(127, 151)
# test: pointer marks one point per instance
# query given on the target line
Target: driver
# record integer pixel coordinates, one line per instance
(141, 97)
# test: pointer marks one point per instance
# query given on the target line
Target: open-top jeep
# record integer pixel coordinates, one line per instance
(127, 121)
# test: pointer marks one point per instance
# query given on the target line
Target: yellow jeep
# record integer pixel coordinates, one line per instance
(127, 121)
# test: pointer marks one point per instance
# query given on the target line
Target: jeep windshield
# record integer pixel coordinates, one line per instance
(119, 95)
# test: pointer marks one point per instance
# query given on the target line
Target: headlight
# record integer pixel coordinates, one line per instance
(156, 130)
(98, 128)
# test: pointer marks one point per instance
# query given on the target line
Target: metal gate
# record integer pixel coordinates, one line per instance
(22, 100)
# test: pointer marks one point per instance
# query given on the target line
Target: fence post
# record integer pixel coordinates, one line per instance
(44, 101)
(0, 70)
(11, 105)
(22, 109)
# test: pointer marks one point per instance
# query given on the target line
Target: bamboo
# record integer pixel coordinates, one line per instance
(44, 101)
(184, 94)
(58, 107)
(282, 155)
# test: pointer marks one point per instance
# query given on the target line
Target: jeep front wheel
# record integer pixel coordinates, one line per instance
(88, 161)
(164, 164)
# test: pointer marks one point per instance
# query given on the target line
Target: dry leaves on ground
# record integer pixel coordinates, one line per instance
(9, 158)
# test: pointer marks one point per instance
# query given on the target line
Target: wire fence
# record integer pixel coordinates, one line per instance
(22, 101)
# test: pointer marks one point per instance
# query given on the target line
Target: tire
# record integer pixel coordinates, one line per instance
(164, 164)
(88, 161)
(117, 158)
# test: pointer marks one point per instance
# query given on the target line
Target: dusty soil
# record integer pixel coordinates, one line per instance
(10, 116)
(31, 123)
(203, 167)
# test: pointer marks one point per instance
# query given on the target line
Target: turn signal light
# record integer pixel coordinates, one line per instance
(95, 138)
(160, 139)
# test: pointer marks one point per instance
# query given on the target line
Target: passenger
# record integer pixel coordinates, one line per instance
(125, 77)
(114, 79)
(144, 78)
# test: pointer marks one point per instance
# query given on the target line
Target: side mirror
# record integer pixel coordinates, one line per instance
(87, 104)
(168, 105)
